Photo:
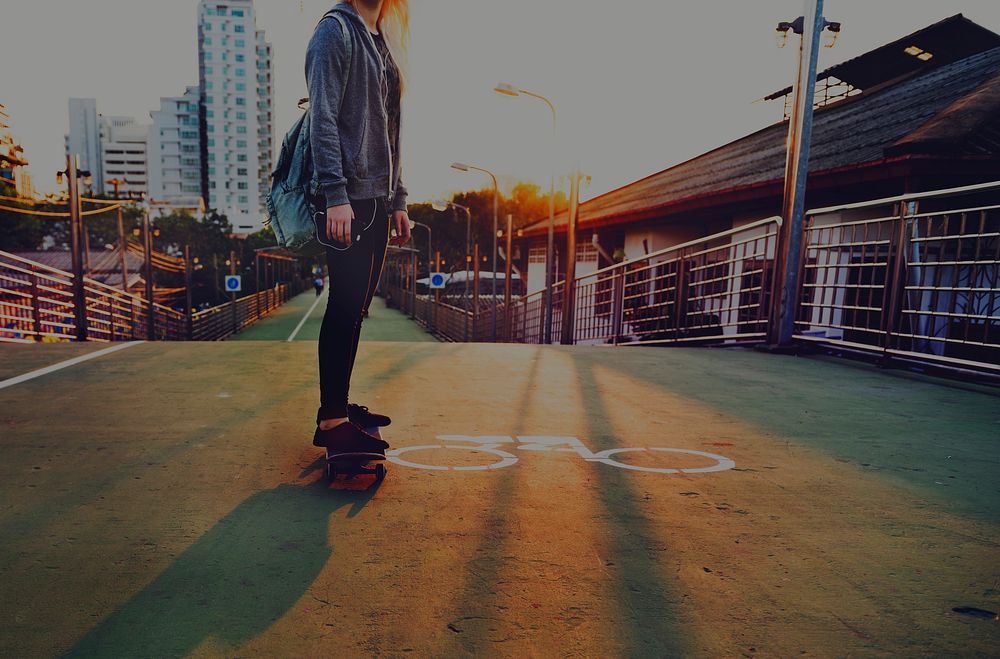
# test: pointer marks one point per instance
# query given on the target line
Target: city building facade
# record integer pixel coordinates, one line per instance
(174, 153)
(235, 114)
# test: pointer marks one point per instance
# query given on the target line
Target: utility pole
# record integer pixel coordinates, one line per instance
(232, 295)
(79, 294)
(788, 251)
(122, 247)
(188, 294)
(148, 274)
(569, 288)
(506, 279)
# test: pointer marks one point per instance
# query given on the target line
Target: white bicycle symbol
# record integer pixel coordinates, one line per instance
(544, 443)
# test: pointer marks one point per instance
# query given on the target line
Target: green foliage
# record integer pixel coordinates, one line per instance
(526, 203)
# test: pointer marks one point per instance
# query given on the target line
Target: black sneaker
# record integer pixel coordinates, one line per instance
(348, 437)
(360, 415)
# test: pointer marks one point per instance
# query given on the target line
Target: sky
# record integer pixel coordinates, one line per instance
(638, 85)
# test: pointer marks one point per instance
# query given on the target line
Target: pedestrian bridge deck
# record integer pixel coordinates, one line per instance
(165, 500)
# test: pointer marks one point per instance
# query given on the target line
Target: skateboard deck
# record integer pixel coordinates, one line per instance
(353, 464)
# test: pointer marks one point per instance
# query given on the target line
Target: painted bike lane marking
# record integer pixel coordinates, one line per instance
(545, 443)
(31, 375)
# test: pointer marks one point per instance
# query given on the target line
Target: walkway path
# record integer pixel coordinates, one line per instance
(382, 324)
(166, 500)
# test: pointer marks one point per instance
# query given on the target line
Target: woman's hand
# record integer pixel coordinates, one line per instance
(338, 223)
(401, 222)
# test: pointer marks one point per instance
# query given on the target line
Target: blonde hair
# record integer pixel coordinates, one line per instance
(394, 24)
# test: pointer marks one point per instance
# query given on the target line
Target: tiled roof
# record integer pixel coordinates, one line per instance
(852, 132)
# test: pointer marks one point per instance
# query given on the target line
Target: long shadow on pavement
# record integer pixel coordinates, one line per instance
(647, 623)
(233, 582)
(934, 435)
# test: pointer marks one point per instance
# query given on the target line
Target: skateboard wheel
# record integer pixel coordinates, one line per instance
(379, 472)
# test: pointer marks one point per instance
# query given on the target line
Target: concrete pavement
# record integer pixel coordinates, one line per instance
(165, 501)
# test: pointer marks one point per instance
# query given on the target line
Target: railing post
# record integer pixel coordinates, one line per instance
(413, 285)
(680, 294)
(475, 294)
(894, 279)
(617, 304)
(36, 314)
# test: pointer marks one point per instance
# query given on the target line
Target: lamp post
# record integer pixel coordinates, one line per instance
(73, 176)
(442, 205)
(430, 242)
(781, 325)
(510, 90)
(496, 194)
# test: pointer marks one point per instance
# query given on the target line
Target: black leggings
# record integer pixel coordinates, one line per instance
(354, 274)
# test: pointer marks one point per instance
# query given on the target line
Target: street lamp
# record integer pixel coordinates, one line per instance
(441, 205)
(462, 167)
(781, 325)
(510, 90)
(430, 241)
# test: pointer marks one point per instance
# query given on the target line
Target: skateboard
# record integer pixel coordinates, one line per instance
(352, 464)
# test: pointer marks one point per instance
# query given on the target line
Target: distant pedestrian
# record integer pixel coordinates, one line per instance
(318, 285)
(356, 72)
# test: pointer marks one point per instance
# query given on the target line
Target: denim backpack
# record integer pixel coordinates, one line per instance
(289, 204)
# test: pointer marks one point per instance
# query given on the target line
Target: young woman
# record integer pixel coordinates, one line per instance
(355, 70)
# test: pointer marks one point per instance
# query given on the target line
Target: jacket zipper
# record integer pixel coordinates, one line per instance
(384, 82)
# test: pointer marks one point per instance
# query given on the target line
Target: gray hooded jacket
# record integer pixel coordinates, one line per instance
(349, 139)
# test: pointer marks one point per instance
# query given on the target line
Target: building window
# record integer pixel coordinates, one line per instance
(240, 57)
(241, 73)
(242, 185)
(241, 157)
(207, 41)
(241, 144)
(241, 116)
(208, 55)
(241, 86)
(243, 199)
(242, 171)
(242, 130)
(239, 28)
(237, 12)
(240, 100)
(240, 43)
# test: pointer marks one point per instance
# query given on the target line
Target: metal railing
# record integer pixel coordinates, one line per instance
(224, 320)
(37, 304)
(714, 289)
(913, 277)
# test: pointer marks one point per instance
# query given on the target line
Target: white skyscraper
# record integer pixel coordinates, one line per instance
(236, 98)
(265, 118)
(174, 153)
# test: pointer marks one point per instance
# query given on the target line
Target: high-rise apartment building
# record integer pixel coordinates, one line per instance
(110, 148)
(123, 156)
(174, 153)
(236, 105)
(84, 137)
(265, 117)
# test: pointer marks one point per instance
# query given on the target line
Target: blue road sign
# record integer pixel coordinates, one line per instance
(233, 284)
(437, 280)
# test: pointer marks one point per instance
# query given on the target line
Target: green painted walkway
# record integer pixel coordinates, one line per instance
(382, 324)
(166, 500)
